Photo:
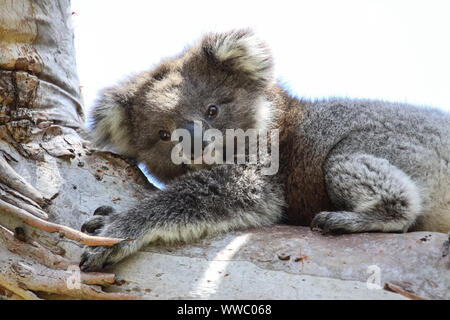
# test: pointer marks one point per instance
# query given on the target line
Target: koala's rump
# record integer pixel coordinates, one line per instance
(416, 140)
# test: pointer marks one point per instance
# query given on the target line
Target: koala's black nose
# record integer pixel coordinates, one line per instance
(197, 132)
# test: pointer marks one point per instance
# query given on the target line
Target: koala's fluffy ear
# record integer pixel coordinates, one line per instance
(110, 119)
(241, 51)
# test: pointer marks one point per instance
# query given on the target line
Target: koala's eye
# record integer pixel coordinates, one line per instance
(212, 112)
(164, 135)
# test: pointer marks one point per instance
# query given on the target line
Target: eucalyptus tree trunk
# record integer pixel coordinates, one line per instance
(51, 180)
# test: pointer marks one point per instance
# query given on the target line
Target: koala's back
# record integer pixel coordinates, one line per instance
(414, 139)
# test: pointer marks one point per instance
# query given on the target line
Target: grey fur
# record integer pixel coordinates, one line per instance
(345, 165)
(391, 159)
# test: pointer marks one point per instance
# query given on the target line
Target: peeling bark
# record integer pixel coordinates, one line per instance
(11, 179)
(47, 169)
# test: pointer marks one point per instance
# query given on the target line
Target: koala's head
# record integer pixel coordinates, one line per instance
(220, 81)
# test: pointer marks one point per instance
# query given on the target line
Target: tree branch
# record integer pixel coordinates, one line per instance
(28, 270)
(53, 227)
(394, 288)
(11, 196)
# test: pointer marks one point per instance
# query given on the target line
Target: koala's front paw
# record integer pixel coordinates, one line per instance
(335, 222)
(95, 258)
(105, 224)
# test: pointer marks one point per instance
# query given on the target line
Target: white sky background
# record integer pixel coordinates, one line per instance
(394, 50)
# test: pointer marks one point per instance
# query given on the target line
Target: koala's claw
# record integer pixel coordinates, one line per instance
(331, 222)
(95, 258)
(93, 225)
(103, 211)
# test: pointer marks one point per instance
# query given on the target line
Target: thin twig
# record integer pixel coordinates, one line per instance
(98, 278)
(403, 292)
(53, 227)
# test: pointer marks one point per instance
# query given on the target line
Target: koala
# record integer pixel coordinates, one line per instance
(345, 165)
